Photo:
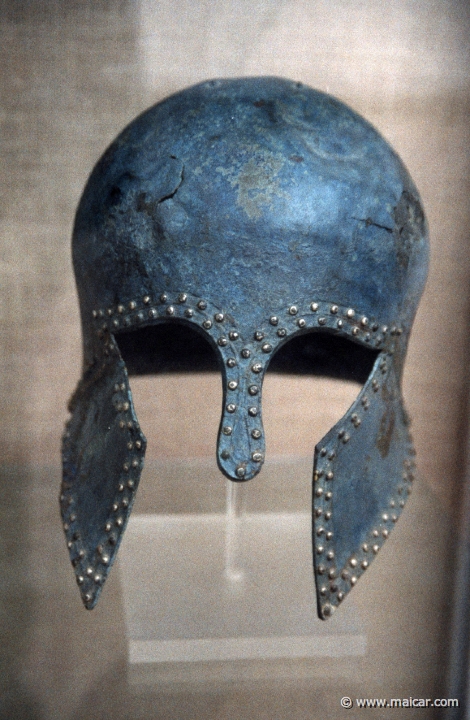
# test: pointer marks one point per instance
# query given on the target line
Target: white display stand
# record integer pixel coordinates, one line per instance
(227, 586)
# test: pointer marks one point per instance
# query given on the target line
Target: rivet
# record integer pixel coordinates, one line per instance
(319, 492)
(125, 467)
(329, 475)
(89, 571)
(138, 444)
(257, 457)
(345, 575)
(375, 533)
(253, 411)
(207, 324)
(97, 578)
(333, 587)
(330, 555)
(231, 408)
(266, 348)
(328, 515)
(327, 610)
(219, 317)
(140, 316)
(328, 495)
(329, 535)
(293, 310)
(320, 549)
(375, 549)
(135, 463)
(80, 579)
(241, 471)
(332, 573)
(346, 438)
(225, 454)
(322, 321)
(332, 455)
(125, 503)
(182, 297)
(394, 518)
(66, 527)
(227, 430)
(132, 305)
(282, 332)
(323, 452)
(334, 309)
(274, 320)
(94, 313)
(256, 367)
(119, 522)
(256, 434)
(364, 564)
(355, 331)
(253, 389)
(301, 323)
(314, 307)
(202, 305)
(340, 323)
(340, 596)
(245, 353)
(232, 385)
(258, 335)
(385, 517)
(125, 406)
(353, 562)
(120, 309)
(365, 547)
(320, 531)
(323, 590)
(318, 512)
(353, 580)
(146, 299)
(350, 313)
(115, 507)
(130, 446)
(189, 312)
(120, 487)
(321, 569)
(152, 313)
(130, 484)
(364, 321)
(115, 323)
(170, 310)
(233, 335)
(231, 362)
(105, 559)
(385, 533)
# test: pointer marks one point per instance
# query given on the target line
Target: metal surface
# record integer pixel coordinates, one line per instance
(252, 211)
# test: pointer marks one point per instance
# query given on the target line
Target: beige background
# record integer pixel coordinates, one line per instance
(73, 74)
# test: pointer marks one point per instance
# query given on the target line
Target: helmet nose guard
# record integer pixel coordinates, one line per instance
(253, 210)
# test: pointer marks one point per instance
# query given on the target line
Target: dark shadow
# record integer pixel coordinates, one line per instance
(325, 355)
(178, 347)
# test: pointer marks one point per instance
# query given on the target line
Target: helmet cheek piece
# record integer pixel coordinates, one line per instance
(363, 471)
(103, 452)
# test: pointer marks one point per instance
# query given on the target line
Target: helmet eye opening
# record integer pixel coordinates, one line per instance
(168, 347)
(326, 355)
